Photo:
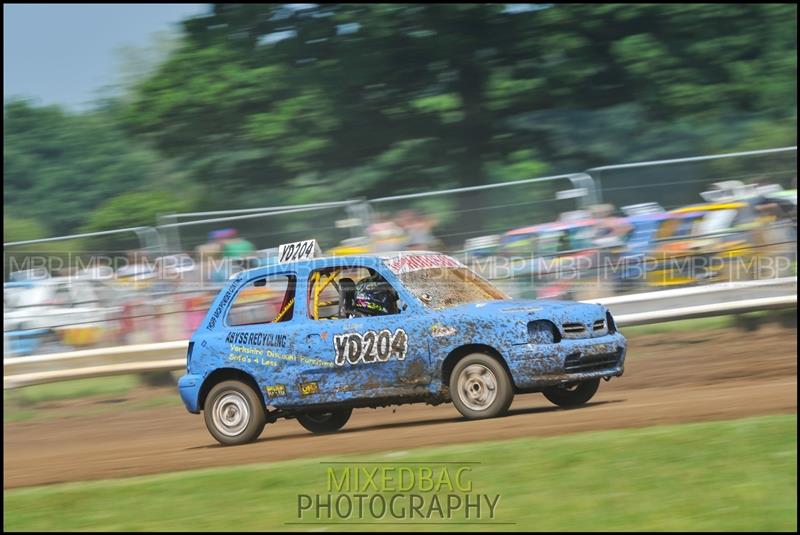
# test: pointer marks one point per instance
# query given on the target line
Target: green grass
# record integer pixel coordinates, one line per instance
(785, 318)
(736, 475)
(99, 386)
(14, 414)
(701, 324)
(24, 404)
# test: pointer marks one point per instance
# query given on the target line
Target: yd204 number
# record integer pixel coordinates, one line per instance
(370, 346)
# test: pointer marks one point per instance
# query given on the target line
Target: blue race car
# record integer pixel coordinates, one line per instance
(312, 338)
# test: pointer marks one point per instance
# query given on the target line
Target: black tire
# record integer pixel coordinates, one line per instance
(158, 379)
(325, 421)
(572, 394)
(472, 392)
(788, 319)
(237, 403)
(748, 323)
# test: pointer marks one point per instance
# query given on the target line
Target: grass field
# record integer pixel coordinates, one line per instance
(114, 385)
(25, 404)
(736, 475)
(786, 318)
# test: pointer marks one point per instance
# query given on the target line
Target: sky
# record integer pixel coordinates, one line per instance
(65, 53)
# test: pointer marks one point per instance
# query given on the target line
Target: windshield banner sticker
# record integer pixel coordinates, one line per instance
(370, 347)
(407, 263)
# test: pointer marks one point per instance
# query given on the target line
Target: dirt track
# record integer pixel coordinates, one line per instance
(669, 378)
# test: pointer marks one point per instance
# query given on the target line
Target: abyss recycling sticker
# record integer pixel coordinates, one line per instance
(371, 346)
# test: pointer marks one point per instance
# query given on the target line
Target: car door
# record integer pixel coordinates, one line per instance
(259, 335)
(380, 356)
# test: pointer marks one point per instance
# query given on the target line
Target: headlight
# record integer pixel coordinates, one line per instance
(543, 332)
(612, 327)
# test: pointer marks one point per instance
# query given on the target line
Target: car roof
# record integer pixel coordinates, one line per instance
(320, 261)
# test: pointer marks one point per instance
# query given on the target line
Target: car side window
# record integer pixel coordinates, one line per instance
(264, 300)
(348, 292)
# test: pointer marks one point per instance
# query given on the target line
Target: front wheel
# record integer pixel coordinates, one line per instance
(234, 413)
(480, 387)
(572, 394)
(324, 422)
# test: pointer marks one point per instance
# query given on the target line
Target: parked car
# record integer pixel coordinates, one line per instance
(559, 254)
(316, 337)
(57, 313)
(715, 243)
(649, 227)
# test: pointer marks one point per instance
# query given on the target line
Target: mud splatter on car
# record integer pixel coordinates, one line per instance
(374, 330)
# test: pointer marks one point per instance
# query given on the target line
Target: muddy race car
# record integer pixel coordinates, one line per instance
(313, 338)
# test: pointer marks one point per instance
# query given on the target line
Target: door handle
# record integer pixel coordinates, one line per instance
(312, 337)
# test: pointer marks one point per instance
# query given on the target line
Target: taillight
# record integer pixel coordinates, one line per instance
(189, 355)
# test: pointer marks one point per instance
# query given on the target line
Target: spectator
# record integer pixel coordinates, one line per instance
(418, 229)
(234, 247)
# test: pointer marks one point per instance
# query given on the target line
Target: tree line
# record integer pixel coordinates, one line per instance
(263, 104)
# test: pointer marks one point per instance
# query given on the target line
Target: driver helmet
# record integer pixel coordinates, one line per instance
(375, 297)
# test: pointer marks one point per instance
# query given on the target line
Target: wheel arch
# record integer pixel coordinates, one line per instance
(460, 352)
(227, 374)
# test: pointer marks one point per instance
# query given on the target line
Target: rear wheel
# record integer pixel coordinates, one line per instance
(324, 421)
(234, 413)
(572, 394)
(480, 387)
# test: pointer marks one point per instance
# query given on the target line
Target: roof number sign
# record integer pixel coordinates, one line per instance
(301, 250)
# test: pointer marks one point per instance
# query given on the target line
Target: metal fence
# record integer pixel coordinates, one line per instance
(76, 252)
(458, 221)
(679, 181)
(267, 226)
(452, 219)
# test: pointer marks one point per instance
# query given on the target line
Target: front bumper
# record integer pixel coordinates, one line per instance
(535, 366)
(189, 388)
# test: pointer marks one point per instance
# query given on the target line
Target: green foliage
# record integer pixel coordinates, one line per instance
(22, 229)
(136, 208)
(58, 166)
(270, 92)
(266, 104)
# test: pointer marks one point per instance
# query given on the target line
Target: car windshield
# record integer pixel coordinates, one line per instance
(445, 287)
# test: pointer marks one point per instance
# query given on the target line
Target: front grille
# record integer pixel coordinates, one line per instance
(599, 325)
(576, 363)
(574, 328)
